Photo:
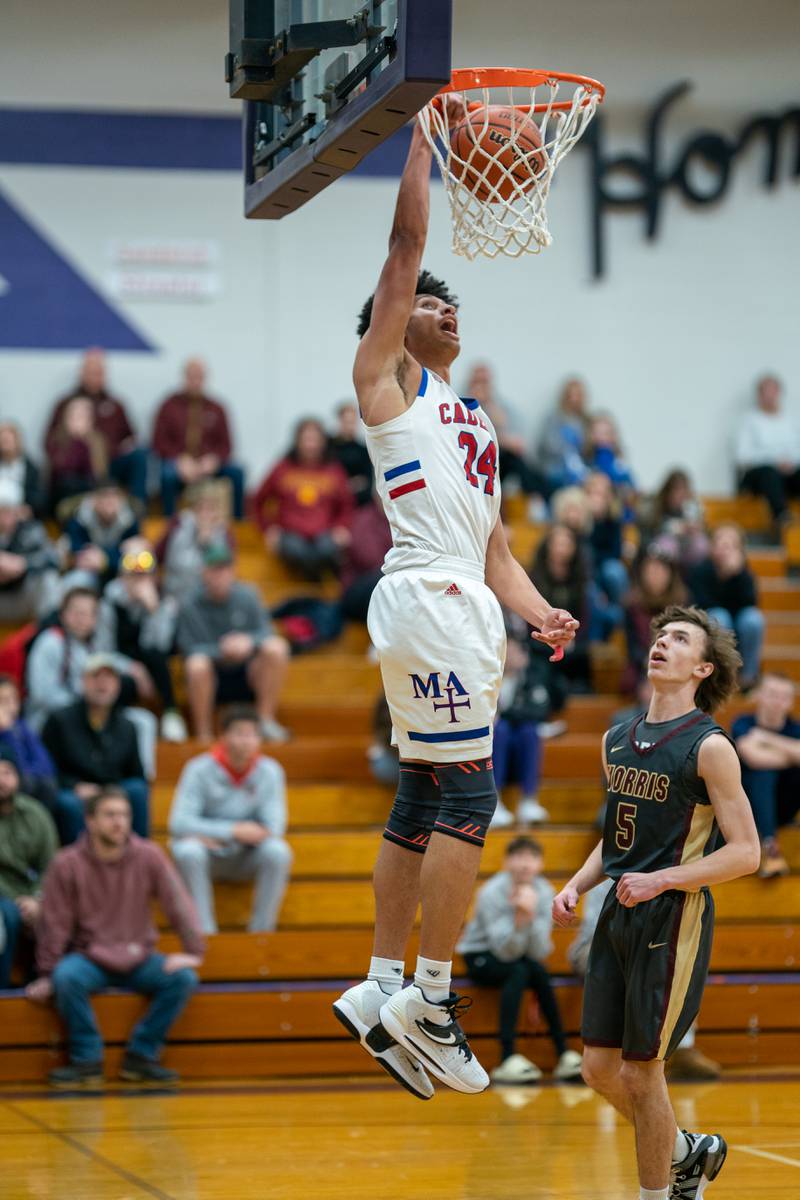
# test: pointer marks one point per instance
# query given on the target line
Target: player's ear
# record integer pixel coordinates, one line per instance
(703, 670)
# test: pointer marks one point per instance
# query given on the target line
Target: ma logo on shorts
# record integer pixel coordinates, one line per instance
(441, 695)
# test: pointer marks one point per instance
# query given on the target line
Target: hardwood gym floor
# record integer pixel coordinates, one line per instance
(359, 1138)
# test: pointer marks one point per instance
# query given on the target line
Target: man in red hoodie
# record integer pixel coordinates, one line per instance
(96, 931)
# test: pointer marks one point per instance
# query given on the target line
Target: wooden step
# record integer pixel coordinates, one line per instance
(366, 804)
(779, 595)
(574, 756)
(232, 1013)
(219, 1025)
(766, 945)
(348, 903)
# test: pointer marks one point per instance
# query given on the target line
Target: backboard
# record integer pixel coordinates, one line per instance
(326, 81)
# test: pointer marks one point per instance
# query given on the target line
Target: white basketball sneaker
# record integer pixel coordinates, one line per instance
(431, 1033)
(358, 1010)
(703, 1163)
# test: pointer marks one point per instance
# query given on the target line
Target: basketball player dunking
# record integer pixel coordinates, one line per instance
(436, 623)
(673, 784)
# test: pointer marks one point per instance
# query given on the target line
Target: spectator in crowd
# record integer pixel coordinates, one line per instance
(228, 821)
(768, 742)
(656, 584)
(17, 468)
(560, 450)
(384, 762)
(768, 450)
(96, 531)
(96, 931)
(76, 452)
(94, 744)
(559, 571)
(304, 506)
(673, 521)
(37, 774)
(572, 507)
(231, 653)
(57, 657)
(351, 452)
(512, 461)
(603, 452)
(371, 540)
(27, 843)
(725, 586)
(137, 622)
(193, 442)
(505, 945)
(108, 424)
(29, 583)
(687, 1064)
(605, 536)
(204, 523)
(525, 702)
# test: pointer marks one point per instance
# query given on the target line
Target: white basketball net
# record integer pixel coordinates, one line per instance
(518, 224)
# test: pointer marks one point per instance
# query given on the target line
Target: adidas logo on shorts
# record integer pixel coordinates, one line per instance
(453, 590)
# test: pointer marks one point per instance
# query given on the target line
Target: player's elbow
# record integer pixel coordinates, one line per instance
(407, 241)
(751, 854)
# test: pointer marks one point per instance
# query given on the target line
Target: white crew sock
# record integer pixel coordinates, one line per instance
(433, 978)
(681, 1146)
(387, 972)
(654, 1193)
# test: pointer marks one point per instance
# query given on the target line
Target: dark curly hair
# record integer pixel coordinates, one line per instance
(427, 285)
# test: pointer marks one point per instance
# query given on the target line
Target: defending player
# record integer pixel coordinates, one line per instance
(436, 623)
(673, 784)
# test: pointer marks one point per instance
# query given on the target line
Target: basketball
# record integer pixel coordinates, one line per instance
(502, 143)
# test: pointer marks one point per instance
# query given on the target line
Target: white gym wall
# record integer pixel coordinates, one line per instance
(670, 338)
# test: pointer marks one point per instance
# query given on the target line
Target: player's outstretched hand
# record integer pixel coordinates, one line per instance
(635, 887)
(564, 906)
(558, 630)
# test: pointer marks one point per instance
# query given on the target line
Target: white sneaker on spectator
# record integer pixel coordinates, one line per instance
(358, 1009)
(273, 731)
(531, 812)
(431, 1033)
(516, 1069)
(502, 818)
(551, 729)
(568, 1066)
(173, 726)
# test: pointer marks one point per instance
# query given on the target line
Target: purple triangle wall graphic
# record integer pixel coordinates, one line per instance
(45, 304)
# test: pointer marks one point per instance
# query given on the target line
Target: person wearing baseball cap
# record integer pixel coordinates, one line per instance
(93, 744)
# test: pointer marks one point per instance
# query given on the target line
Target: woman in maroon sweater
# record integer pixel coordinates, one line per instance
(304, 506)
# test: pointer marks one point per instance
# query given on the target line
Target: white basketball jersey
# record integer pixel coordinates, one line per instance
(436, 472)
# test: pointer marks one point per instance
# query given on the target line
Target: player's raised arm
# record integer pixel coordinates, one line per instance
(510, 583)
(383, 373)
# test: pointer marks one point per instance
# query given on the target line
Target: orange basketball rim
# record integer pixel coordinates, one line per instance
(498, 198)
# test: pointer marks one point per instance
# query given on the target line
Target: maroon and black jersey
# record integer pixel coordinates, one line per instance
(658, 813)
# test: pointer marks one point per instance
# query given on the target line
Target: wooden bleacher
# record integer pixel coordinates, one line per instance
(263, 1008)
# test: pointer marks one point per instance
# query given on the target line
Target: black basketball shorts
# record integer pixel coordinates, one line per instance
(646, 973)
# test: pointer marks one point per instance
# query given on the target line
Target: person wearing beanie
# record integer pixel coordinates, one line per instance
(28, 841)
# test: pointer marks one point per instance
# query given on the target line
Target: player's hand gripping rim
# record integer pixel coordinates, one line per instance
(558, 629)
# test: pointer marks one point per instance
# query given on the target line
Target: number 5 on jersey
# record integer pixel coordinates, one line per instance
(626, 825)
(486, 464)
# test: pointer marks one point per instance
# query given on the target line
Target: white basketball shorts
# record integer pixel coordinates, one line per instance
(441, 644)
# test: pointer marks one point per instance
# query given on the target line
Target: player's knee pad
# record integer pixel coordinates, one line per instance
(468, 801)
(415, 807)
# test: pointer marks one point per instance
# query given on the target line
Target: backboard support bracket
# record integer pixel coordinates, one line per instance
(305, 126)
